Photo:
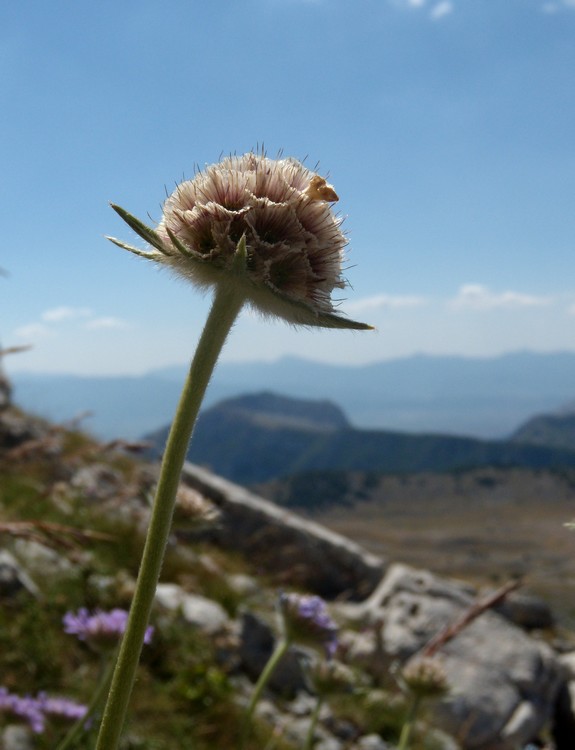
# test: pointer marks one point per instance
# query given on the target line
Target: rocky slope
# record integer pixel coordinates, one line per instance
(75, 512)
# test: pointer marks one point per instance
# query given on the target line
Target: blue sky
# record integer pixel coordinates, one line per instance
(447, 128)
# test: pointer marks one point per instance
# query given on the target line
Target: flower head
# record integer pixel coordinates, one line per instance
(34, 711)
(25, 709)
(101, 629)
(61, 708)
(425, 677)
(305, 620)
(330, 677)
(280, 212)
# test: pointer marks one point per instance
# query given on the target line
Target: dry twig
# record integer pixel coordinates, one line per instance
(477, 608)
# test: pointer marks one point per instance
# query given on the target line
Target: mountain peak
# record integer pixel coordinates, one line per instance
(269, 409)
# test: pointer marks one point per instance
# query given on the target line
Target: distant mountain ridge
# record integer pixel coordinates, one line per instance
(555, 430)
(261, 437)
(450, 395)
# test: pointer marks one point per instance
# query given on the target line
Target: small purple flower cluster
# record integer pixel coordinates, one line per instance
(35, 710)
(306, 620)
(99, 629)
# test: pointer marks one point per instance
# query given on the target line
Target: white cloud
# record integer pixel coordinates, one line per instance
(479, 297)
(409, 3)
(50, 320)
(385, 301)
(106, 322)
(441, 10)
(555, 7)
(32, 331)
(58, 314)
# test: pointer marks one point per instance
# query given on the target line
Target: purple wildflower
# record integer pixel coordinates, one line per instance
(306, 620)
(34, 711)
(25, 709)
(100, 629)
(61, 708)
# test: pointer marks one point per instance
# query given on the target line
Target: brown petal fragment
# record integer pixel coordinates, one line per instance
(320, 190)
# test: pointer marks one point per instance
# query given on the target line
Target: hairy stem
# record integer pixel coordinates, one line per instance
(225, 308)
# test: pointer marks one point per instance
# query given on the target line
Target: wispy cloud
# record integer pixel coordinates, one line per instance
(59, 314)
(32, 332)
(107, 322)
(479, 297)
(437, 10)
(442, 9)
(385, 301)
(81, 318)
(557, 5)
(408, 3)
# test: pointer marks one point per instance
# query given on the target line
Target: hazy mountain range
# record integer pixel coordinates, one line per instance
(486, 398)
(264, 436)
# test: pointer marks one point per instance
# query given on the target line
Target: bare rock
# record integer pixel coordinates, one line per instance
(17, 737)
(527, 611)
(5, 392)
(97, 482)
(504, 683)
(17, 428)
(309, 555)
(564, 718)
(205, 614)
(257, 643)
(13, 577)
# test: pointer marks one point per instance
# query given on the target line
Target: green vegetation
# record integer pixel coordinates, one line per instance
(187, 693)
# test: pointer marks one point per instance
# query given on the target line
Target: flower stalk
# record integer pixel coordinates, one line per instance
(313, 723)
(407, 729)
(260, 232)
(79, 727)
(279, 652)
(226, 305)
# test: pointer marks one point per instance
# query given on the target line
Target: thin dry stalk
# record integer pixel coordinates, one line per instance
(449, 632)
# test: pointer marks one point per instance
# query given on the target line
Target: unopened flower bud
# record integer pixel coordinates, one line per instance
(425, 677)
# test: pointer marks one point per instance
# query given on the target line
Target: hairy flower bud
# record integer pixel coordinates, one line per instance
(425, 677)
(281, 211)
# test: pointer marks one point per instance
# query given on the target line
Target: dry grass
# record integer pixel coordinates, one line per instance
(484, 526)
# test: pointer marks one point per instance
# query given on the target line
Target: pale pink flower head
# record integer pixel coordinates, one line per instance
(279, 212)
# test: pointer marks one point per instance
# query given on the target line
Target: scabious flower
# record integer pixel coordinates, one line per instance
(101, 629)
(281, 210)
(35, 710)
(330, 677)
(61, 708)
(305, 620)
(425, 677)
(262, 232)
(22, 709)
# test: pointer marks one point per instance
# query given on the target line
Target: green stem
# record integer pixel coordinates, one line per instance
(79, 727)
(313, 723)
(225, 308)
(409, 724)
(280, 650)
